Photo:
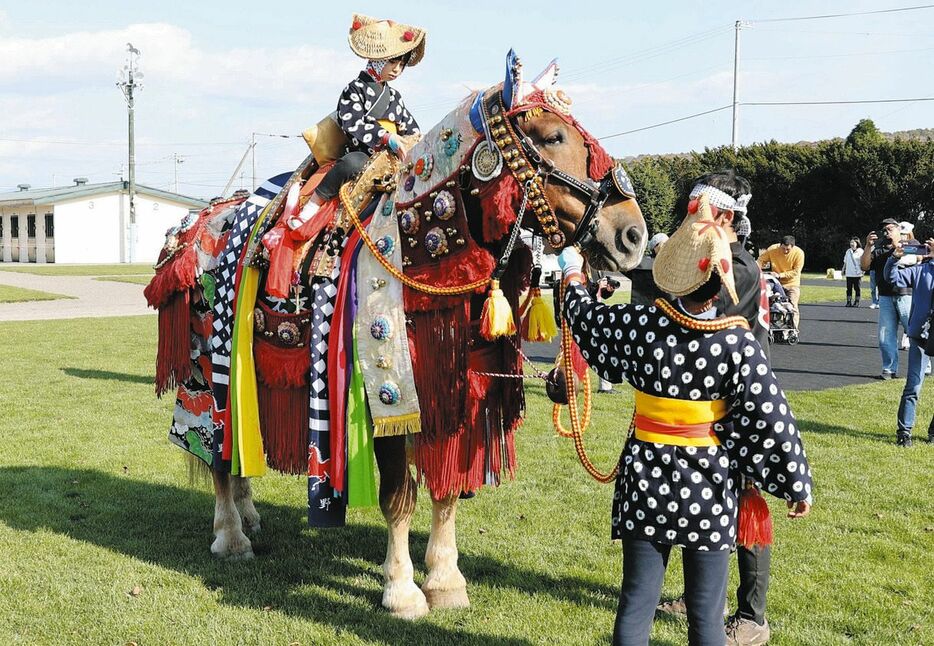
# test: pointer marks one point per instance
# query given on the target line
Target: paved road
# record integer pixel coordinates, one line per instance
(90, 298)
(838, 347)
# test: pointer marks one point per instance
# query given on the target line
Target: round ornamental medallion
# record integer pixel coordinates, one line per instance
(381, 328)
(188, 221)
(409, 183)
(287, 332)
(436, 242)
(558, 100)
(622, 181)
(424, 166)
(387, 207)
(259, 320)
(385, 245)
(451, 144)
(486, 162)
(389, 393)
(408, 221)
(444, 205)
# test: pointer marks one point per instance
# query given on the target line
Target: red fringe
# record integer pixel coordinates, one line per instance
(280, 367)
(755, 521)
(499, 201)
(179, 274)
(438, 343)
(283, 416)
(466, 267)
(173, 357)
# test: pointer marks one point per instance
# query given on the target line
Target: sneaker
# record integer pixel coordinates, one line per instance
(906, 342)
(675, 607)
(678, 607)
(903, 441)
(874, 306)
(746, 632)
(887, 375)
(930, 439)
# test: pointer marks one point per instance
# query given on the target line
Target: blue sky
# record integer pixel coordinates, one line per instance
(215, 72)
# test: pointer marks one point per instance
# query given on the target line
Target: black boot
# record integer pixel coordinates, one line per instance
(856, 302)
(848, 303)
(903, 439)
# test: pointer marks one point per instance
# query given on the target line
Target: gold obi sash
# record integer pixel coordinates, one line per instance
(679, 422)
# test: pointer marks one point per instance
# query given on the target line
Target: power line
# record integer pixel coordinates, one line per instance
(665, 123)
(761, 103)
(845, 15)
(845, 55)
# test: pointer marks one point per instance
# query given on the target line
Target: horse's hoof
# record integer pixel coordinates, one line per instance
(405, 601)
(456, 598)
(234, 548)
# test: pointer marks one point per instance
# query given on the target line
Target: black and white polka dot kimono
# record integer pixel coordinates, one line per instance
(358, 119)
(687, 495)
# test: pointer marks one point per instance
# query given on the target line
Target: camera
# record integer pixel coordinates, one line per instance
(613, 283)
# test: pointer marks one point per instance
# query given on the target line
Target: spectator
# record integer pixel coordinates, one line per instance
(644, 291)
(920, 277)
(786, 261)
(853, 271)
(894, 300)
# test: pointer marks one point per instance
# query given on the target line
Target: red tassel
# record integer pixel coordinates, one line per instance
(280, 367)
(173, 357)
(283, 416)
(755, 521)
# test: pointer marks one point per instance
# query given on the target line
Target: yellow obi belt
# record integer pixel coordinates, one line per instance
(679, 422)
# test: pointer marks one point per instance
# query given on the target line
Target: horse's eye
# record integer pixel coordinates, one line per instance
(554, 139)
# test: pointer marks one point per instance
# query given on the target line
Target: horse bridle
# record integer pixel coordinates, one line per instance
(595, 193)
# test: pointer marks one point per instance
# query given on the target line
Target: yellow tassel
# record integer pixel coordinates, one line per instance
(496, 320)
(539, 324)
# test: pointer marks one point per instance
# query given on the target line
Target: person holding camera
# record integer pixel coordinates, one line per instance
(894, 300)
(853, 271)
(919, 276)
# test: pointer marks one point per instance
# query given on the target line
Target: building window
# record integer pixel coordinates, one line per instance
(14, 226)
(49, 226)
(30, 226)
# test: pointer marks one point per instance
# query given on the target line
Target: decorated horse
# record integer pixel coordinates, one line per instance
(388, 325)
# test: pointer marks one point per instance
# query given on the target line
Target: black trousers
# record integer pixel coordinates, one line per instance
(705, 578)
(343, 171)
(852, 282)
(753, 587)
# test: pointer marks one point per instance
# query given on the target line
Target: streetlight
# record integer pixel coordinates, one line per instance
(128, 82)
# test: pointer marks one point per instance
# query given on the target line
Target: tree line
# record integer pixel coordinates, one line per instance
(822, 193)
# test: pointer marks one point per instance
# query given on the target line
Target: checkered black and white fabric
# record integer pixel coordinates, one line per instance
(225, 275)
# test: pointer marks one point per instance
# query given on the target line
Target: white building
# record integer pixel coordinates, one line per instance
(87, 223)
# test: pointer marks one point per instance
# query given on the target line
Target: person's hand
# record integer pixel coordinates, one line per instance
(571, 261)
(898, 252)
(871, 239)
(929, 243)
(394, 144)
(799, 509)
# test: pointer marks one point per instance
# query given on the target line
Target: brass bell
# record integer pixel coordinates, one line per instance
(412, 242)
(460, 241)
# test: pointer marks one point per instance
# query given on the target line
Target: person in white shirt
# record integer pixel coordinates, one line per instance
(853, 271)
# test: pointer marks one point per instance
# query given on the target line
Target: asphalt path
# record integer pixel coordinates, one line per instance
(838, 347)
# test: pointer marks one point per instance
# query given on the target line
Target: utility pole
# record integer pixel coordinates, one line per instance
(253, 150)
(739, 25)
(178, 160)
(129, 84)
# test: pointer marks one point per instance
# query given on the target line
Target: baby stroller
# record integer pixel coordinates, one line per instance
(781, 312)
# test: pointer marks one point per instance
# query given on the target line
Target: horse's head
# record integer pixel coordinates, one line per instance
(576, 193)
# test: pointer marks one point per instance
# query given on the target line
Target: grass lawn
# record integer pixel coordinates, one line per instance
(81, 270)
(136, 280)
(9, 294)
(104, 541)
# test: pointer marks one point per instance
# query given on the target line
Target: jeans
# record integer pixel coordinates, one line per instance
(705, 579)
(892, 311)
(754, 565)
(873, 292)
(917, 363)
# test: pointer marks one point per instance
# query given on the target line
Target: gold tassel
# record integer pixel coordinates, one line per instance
(496, 320)
(398, 425)
(539, 323)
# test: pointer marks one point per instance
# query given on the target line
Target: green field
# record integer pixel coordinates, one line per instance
(9, 294)
(80, 270)
(104, 541)
(136, 280)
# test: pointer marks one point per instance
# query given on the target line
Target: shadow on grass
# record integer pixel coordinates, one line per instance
(810, 426)
(83, 373)
(171, 527)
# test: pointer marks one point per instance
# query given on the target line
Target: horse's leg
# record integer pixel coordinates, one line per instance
(445, 586)
(243, 499)
(397, 501)
(230, 541)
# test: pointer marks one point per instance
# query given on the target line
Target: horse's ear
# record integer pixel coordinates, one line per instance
(548, 76)
(512, 85)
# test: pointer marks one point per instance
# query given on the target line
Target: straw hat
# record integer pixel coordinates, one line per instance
(383, 40)
(697, 249)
